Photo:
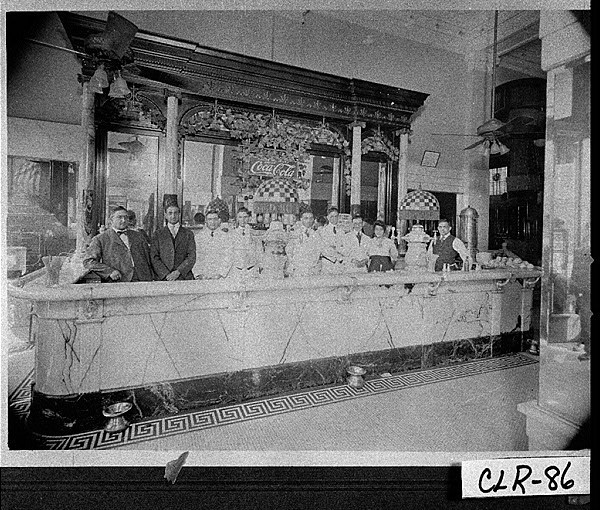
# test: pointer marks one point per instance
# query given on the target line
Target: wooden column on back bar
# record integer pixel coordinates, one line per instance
(381, 188)
(171, 150)
(401, 225)
(335, 185)
(357, 128)
(87, 171)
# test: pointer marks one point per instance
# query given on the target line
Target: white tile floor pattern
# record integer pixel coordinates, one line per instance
(463, 407)
(474, 413)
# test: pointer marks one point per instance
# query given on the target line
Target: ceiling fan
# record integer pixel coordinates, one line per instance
(114, 41)
(133, 147)
(493, 132)
(110, 44)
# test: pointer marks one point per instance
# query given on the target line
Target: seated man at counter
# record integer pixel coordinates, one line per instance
(305, 248)
(119, 253)
(244, 247)
(449, 249)
(353, 248)
(214, 249)
(173, 249)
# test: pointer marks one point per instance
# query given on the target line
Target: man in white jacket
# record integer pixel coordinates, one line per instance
(305, 249)
(354, 248)
(214, 249)
(332, 236)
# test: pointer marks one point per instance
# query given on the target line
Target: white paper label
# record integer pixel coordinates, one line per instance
(537, 476)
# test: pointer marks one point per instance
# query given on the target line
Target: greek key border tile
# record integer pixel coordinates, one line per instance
(204, 419)
(20, 398)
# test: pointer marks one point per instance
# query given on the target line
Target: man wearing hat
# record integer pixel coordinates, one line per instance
(119, 254)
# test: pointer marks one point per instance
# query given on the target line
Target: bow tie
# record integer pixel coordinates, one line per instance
(121, 232)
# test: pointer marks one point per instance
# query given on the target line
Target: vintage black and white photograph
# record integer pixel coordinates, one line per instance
(317, 233)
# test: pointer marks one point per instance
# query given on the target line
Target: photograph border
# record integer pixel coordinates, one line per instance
(35, 479)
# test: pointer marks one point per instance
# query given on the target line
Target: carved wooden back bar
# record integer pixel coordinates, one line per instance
(209, 81)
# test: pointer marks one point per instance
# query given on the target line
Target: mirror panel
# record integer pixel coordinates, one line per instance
(132, 177)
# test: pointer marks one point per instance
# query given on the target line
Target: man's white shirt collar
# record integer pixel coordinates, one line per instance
(174, 228)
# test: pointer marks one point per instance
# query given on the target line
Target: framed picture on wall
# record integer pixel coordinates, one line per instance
(430, 158)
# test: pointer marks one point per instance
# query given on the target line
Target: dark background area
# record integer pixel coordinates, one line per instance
(253, 487)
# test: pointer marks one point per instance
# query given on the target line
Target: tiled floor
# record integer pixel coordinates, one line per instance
(463, 407)
(427, 411)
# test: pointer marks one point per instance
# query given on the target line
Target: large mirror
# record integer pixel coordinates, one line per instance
(211, 170)
(325, 184)
(132, 177)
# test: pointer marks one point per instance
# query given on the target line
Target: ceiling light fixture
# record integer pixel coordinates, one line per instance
(119, 87)
(497, 147)
(99, 80)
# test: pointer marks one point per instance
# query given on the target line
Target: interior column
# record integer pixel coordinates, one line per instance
(357, 128)
(85, 185)
(401, 225)
(171, 150)
(381, 188)
(335, 185)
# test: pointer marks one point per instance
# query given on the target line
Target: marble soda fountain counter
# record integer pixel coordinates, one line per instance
(171, 347)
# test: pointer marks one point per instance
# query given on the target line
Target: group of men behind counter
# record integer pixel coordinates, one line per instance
(122, 253)
(175, 252)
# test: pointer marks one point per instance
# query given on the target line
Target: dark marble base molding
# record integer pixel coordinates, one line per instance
(83, 413)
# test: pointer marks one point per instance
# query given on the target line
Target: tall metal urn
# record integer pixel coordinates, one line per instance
(467, 230)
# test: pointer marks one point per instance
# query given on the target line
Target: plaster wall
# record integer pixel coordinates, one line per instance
(45, 140)
(41, 81)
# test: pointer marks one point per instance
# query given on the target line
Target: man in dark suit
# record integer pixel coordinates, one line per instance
(119, 253)
(173, 248)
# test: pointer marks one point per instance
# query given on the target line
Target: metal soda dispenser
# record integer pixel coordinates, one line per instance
(467, 231)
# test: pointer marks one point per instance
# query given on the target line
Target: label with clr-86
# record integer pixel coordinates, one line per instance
(532, 476)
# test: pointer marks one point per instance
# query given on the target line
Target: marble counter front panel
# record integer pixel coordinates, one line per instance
(92, 338)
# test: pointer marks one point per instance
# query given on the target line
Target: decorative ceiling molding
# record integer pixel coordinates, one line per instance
(216, 74)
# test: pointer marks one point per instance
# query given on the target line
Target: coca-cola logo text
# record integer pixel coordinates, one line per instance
(273, 169)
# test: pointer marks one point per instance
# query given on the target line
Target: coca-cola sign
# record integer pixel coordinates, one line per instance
(273, 169)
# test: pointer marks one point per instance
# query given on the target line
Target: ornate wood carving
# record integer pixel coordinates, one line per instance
(138, 111)
(210, 73)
